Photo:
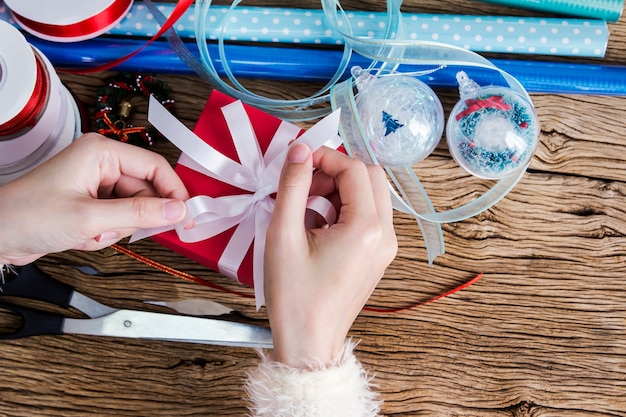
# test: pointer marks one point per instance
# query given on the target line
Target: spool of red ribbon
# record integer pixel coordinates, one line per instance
(39, 116)
(68, 20)
(31, 111)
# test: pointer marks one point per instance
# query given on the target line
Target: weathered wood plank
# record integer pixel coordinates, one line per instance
(543, 333)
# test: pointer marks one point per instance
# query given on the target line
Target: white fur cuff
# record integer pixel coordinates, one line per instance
(6, 270)
(341, 389)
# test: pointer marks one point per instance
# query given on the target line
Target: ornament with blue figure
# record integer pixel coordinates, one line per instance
(401, 116)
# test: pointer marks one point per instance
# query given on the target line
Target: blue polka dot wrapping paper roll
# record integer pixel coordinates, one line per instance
(550, 36)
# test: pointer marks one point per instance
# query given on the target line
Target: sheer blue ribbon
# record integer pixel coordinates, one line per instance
(388, 54)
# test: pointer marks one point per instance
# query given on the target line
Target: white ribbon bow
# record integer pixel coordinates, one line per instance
(257, 173)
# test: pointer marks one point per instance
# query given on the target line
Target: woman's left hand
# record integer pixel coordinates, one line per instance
(92, 194)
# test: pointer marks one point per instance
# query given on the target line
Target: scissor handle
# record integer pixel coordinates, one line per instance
(34, 322)
(32, 282)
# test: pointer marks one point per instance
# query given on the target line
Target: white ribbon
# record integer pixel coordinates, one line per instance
(257, 173)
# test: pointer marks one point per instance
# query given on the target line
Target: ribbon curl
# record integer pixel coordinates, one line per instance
(257, 174)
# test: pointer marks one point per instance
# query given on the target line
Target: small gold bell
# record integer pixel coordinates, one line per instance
(124, 110)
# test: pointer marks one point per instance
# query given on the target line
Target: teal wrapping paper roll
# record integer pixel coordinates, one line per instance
(609, 10)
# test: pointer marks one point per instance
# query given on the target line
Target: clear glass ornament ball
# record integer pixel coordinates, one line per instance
(493, 133)
(402, 118)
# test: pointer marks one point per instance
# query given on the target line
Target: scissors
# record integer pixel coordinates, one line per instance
(32, 283)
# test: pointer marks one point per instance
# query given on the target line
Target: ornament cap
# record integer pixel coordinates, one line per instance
(467, 86)
(362, 78)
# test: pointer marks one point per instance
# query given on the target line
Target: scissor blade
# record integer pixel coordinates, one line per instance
(159, 326)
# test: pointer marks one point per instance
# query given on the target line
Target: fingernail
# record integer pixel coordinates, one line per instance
(174, 210)
(298, 153)
(106, 236)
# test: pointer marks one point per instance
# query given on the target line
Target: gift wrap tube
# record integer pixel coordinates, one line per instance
(319, 65)
(609, 10)
(500, 34)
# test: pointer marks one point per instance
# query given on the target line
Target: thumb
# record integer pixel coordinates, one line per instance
(138, 212)
(293, 188)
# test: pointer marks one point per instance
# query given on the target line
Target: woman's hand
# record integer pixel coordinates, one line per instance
(317, 281)
(90, 195)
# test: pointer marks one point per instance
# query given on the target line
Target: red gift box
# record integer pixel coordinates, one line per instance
(231, 165)
(211, 127)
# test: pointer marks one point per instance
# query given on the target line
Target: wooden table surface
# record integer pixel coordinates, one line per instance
(543, 333)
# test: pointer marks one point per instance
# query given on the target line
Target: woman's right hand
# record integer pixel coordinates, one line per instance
(318, 280)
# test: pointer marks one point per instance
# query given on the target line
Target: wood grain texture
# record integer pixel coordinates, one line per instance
(542, 334)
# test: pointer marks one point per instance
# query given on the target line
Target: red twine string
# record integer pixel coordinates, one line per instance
(30, 113)
(120, 131)
(435, 298)
(197, 280)
(175, 272)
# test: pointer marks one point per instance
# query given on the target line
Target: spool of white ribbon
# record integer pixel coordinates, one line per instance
(56, 125)
(18, 72)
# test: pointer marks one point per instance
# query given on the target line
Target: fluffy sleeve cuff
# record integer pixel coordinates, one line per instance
(340, 389)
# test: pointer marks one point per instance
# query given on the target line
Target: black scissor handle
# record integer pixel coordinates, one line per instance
(34, 322)
(31, 282)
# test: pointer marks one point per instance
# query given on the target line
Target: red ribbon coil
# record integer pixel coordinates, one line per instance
(31, 112)
(85, 27)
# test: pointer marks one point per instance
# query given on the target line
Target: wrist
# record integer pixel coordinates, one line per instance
(301, 338)
(299, 350)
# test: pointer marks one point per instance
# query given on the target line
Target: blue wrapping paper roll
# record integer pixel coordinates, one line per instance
(317, 65)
